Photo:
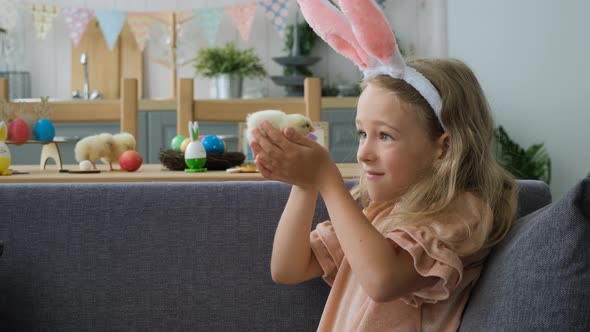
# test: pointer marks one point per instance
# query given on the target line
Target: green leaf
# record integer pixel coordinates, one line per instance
(532, 163)
(228, 59)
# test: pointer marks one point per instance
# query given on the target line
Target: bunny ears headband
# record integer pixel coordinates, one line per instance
(360, 32)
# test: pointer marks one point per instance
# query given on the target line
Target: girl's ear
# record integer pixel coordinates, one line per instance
(443, 143)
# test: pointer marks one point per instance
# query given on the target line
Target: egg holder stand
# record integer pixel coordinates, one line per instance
(49, 150)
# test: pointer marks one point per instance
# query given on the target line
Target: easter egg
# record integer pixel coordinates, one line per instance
(130, 160)
(213, 144)
(18, 131)
(177, 142)
(195, 156)
(4, 157)
(185, 144)
(85, 165)
(44, 130)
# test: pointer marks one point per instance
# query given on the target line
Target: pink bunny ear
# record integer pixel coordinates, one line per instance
(370, 28)
(329, 23)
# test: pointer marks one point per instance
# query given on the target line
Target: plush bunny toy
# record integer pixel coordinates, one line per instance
(360, 32)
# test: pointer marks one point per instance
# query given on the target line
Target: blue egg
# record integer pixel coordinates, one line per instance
(213, 144)
(44, 130)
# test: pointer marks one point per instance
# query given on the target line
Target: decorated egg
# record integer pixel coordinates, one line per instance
(177, 142)
(195, 155)
(185, 144)
(44, 130)
(213, 144)
(4, 151)
(18, 131)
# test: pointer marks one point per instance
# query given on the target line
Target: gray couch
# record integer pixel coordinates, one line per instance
(195, 256)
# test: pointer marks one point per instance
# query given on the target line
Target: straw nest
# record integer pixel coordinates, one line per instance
(174, 160)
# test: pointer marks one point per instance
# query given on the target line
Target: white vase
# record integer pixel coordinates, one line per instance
(228, 86)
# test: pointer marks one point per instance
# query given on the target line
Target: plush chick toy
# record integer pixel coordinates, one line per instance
(121, 143)
(279, 120)
(93, 148)
(4, 152)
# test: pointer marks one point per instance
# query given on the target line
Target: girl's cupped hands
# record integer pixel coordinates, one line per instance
(290, 157)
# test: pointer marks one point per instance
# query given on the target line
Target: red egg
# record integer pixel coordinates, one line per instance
(130, 160)
(18, 131)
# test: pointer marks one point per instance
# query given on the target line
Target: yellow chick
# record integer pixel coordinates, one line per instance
(93, 148)
(121, 143)
(279, 120)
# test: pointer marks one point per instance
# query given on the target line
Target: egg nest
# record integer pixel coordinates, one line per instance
(174, 160)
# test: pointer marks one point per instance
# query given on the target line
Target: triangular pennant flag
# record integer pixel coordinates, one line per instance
(242, 15)
(76, 20)
(277, 12)
(208, 20)
(43, 16)
(140, 24)
(111, 22)
(8, 14)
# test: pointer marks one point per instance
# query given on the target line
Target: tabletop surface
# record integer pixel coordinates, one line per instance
(147, 173)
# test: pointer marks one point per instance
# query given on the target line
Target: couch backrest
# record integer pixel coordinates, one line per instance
(537, 278)
(178, 256)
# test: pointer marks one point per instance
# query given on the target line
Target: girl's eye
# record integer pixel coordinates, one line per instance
(385, 137)
(361, 134)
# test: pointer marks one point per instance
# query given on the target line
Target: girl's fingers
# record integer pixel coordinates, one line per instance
(263, 141)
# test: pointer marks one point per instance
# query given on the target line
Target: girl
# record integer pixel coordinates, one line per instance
(434, 199)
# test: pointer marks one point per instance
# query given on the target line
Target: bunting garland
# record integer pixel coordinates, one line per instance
(76, 20)
(111, 22)
(243, 15)
(43, 16)
(276, 12)
(8, 14)
(140, 24)
(208, 20)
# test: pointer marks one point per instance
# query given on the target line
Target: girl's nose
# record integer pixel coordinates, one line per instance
(365, 152)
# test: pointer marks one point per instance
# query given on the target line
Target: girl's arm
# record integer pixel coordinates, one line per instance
(292, 260)
(385, 271)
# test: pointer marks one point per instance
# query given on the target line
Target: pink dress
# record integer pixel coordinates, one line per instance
(434, 308)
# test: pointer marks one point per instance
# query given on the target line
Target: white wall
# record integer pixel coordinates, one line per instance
(532, 59)
(418, 24)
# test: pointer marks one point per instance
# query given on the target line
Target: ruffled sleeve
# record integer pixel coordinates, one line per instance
(327, 250)
(432, 258)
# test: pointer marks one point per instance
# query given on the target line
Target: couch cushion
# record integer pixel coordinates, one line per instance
(537, 278)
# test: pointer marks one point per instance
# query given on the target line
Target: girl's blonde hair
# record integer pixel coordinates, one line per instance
(469, 164)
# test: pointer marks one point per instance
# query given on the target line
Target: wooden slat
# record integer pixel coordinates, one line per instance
(184, 105)
(4, 93)
(129, 104)
(312, 88)
(81, 111)
(236, 110)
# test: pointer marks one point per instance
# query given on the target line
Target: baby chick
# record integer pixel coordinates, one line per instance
(279, 120)
(121, 143)
(93, 148)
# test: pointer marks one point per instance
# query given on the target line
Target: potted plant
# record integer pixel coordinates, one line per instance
(228, 66)
(532, 163)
